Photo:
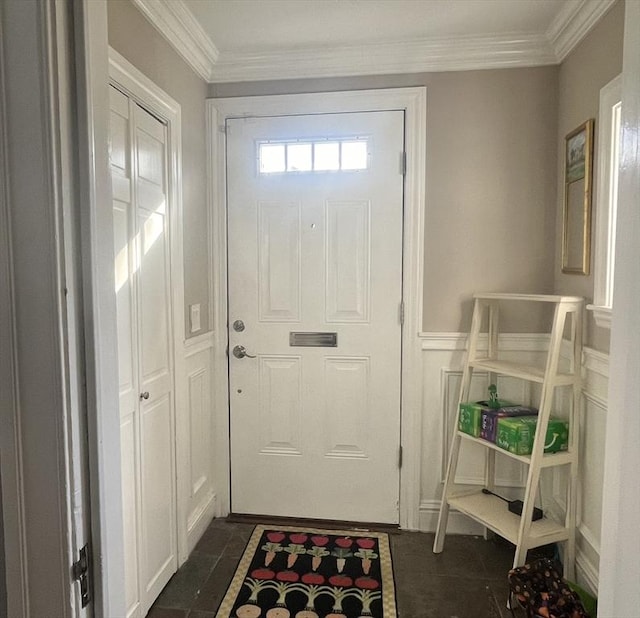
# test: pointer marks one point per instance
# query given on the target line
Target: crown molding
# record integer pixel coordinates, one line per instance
(176, 23)
(415, 56)
(573, 23)
(174, 20)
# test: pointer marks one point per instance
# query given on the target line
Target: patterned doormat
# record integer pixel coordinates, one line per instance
(310, 573)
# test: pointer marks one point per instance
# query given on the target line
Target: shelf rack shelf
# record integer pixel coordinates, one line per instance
(489, 510)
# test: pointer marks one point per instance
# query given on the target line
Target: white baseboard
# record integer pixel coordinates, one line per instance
(457, 524)
(586, 573)
(199, 521)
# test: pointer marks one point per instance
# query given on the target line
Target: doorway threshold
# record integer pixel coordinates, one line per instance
(331, 524)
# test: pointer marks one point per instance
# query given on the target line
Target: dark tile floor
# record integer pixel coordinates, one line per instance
(467, 580)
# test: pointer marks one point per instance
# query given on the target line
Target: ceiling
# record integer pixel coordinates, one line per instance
(244, 40)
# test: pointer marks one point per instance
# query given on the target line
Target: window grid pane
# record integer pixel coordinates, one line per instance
(272, 158)
(298, 157)
(326, 156)
(321, 155)
(354, 155)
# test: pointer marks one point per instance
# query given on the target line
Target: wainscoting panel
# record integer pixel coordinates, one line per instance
(593, 413)
(199, 493)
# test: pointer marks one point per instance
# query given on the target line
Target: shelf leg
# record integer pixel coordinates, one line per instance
(443, 517)
(489, 479)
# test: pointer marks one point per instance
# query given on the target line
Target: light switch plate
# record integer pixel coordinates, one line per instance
(194, 311)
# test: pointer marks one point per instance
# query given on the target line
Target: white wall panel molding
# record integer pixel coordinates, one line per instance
(595, 361)
(573, 23)
(510, 342)
(458, 523)
(176, 23)
(589, 537)
(593, 421)
(586, 571)
(199, 473)
(199, 344)
(596, 400)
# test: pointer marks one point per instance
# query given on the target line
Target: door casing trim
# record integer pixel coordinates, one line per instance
(413, 102)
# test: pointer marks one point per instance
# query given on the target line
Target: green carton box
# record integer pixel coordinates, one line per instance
(516, 435)
(470, 415)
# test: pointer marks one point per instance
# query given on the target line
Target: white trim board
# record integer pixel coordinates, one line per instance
(413, 102)
(508, 342)
(43, 498)
(92, 66)
(180, 28)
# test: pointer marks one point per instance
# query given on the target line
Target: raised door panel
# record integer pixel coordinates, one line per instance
(199, 428)
(280, 402)
(346, 406)
(128, 451)
(153, 301)
(348, 261)
(279, 261)
(158, 511)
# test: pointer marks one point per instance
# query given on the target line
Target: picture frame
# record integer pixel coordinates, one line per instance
(578, 182)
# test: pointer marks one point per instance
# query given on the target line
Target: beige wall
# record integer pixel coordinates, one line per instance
(589, 67)
(491, 181)
(134, 37)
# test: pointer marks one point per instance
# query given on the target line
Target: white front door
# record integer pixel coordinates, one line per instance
(139, 180)
(315, 212)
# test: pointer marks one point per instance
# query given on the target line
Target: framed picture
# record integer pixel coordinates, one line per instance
(578, 172)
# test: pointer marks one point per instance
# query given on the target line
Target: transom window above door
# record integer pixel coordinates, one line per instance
(313, 155)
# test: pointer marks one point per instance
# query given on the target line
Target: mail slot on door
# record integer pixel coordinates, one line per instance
(314, 340)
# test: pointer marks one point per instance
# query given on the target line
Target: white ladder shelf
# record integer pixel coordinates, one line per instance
(489, 510)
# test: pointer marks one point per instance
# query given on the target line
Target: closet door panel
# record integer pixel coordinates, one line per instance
(142, 278)
(158, 522)
(157, 439)
(124, 238)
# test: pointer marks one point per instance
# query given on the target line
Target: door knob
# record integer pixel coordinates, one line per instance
(144, 395)
(240, 352)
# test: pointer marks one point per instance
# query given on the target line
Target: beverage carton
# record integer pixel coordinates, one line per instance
(489, 419)
(469, 417)
(516, 435)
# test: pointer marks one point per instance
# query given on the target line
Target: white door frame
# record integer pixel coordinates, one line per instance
(413, 102)
(42, 464)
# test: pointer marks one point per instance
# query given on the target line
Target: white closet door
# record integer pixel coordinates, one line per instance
(139, 164)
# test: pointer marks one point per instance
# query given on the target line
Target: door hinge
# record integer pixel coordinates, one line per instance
(399, 457)
(222, 128)
(403, 163)
(401, 313)
(81, 573)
